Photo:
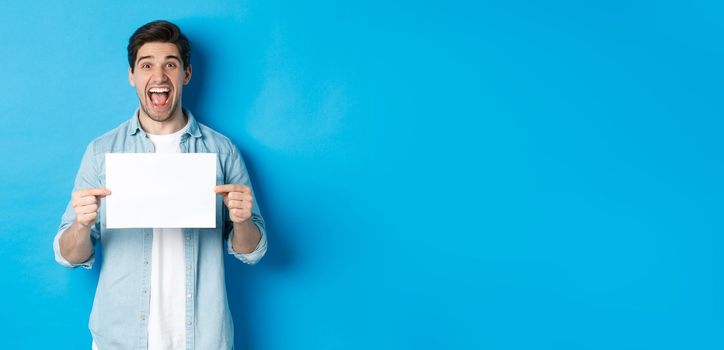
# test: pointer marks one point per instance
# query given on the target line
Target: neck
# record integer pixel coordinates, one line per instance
(169, 126)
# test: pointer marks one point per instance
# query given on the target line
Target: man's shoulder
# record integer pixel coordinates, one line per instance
(216, 141)
(105, 142)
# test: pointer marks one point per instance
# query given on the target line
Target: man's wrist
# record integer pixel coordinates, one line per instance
(79, 229)
(246, 237)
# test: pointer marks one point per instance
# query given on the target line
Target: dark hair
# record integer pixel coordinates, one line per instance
(159, 31)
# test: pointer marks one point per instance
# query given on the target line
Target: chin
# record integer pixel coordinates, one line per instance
(159, 116)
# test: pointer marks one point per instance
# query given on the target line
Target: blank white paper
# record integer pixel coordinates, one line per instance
(150, 190)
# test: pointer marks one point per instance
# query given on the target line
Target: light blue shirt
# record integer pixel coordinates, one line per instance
(119, 318)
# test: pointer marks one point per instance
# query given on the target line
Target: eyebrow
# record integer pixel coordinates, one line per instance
(167, 57)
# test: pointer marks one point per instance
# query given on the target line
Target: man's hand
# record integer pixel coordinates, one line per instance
(238, 199)
(85, 203)
(75, 243)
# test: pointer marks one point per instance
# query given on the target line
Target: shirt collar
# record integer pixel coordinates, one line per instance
(192, 130)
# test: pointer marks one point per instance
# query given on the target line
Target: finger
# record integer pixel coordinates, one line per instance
(84, 201)
(241, 205)
(230, 188)
(234, 204)
(92, 208)
(88, 217)
(98, 192)
(239, 212)
(241, 196)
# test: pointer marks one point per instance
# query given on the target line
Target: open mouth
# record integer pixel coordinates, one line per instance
(159, 96)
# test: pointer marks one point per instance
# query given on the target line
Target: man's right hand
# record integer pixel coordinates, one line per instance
(85, 202)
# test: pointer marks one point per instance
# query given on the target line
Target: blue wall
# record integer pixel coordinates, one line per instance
(452, 175)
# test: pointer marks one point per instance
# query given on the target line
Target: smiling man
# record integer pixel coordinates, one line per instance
(161, 288)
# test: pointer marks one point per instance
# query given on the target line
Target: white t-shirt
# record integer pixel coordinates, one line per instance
(167, 315)
(166, 326)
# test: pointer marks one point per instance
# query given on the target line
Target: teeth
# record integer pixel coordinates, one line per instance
(157, 90)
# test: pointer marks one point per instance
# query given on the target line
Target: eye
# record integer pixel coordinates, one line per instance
(145, 66)
(170, 65)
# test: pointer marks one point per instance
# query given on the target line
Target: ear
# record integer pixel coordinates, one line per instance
(187, 75)
(130, 77)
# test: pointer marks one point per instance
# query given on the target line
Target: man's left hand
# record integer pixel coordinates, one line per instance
(238, 199)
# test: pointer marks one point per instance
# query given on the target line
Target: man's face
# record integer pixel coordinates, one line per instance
(159, 77)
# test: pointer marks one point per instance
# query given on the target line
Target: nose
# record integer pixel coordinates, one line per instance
(159, 75)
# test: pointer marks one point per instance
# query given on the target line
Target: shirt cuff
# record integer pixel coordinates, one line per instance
(62, 261)
(253, 257)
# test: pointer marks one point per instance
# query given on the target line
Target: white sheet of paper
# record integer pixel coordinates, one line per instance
(161, 190)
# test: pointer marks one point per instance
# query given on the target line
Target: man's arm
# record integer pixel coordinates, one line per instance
(75, 243)
(246, 237)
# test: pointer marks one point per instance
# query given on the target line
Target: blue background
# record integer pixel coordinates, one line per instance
(455, 175)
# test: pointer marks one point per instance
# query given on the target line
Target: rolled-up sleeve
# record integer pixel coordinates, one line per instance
(87, 177)
(88, 264)
(236, 173)
(253, 257)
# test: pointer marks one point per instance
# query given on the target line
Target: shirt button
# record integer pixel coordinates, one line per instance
(188, 296)
(188, 323)
(145, 262)
(144, 291)
(143, 318)
(188, 238)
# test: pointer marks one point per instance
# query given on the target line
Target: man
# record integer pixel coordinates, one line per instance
(161, 288)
